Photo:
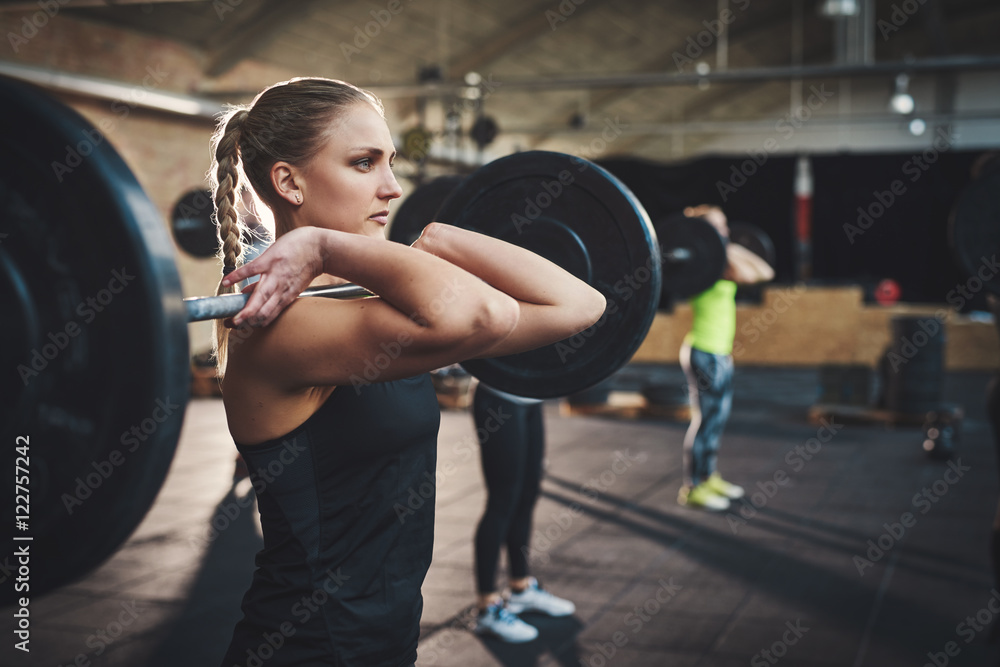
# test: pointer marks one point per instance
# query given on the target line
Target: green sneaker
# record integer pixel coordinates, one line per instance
(724, 488)
(702, 497)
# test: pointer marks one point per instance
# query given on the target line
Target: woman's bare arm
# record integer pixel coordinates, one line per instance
(744, 267)
(554, 304)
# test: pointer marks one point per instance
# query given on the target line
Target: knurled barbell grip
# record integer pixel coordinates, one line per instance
(202, 308)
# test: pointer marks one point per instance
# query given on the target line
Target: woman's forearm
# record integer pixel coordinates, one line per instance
(431, 290)
(553, 303)
(522, 274)
(745, 267)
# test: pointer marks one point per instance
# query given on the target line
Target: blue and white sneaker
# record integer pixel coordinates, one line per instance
(498, 621)
(535, 598)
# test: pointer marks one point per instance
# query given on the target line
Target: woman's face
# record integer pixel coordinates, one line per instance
(348, 185)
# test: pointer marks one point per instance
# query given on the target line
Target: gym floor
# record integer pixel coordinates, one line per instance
(866, 553)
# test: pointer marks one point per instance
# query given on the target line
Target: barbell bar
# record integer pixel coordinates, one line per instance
(201, 308)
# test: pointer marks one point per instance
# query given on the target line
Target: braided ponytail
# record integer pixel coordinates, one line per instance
(285, 122)
(225, 179)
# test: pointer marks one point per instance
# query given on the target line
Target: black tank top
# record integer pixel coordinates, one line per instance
(346, 505)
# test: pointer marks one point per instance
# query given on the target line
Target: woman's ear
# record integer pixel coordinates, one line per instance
(285, 181)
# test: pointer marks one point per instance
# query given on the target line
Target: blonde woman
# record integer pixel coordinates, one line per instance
(329, 401)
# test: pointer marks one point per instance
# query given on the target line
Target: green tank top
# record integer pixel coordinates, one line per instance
(713, 324)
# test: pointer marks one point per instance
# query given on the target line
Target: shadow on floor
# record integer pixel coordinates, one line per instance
(822, 591)
(556, 637)
(205, 623)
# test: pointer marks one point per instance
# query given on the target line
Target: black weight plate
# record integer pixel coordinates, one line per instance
(694, 256)
(975, 229)
(579, 216)
(754, 239)
(97, 343)
(420, 207)
(193, 226)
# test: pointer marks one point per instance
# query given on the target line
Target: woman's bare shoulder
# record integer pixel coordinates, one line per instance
(262, 403)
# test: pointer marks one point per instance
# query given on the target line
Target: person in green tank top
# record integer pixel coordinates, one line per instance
(707, 359)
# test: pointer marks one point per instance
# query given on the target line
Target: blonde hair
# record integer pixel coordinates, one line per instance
(285, 122)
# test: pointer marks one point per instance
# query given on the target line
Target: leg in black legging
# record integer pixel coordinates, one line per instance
(502, 430)
(520, 526)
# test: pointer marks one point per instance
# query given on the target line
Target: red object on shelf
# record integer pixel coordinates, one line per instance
(887, 292)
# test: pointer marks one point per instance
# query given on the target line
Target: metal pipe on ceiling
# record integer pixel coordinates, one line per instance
(142, 94)
(756, 126)
(867, 20)
(667, 78)
(722, 41)
(77, 4)
(744, 75)
(208, 106)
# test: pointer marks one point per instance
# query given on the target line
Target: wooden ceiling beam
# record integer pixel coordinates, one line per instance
(527, 27)
(243, 39)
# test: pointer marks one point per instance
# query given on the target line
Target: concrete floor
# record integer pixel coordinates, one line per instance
(654, 583)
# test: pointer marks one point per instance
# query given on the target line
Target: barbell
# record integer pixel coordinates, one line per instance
(691, 251)
(97, 368)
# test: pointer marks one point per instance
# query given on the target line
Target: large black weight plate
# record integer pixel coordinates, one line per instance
(193, 226)
(975, 229)
(754, 239)
(419, 208)
(694, 256)
(95, 341)
(579, 216)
